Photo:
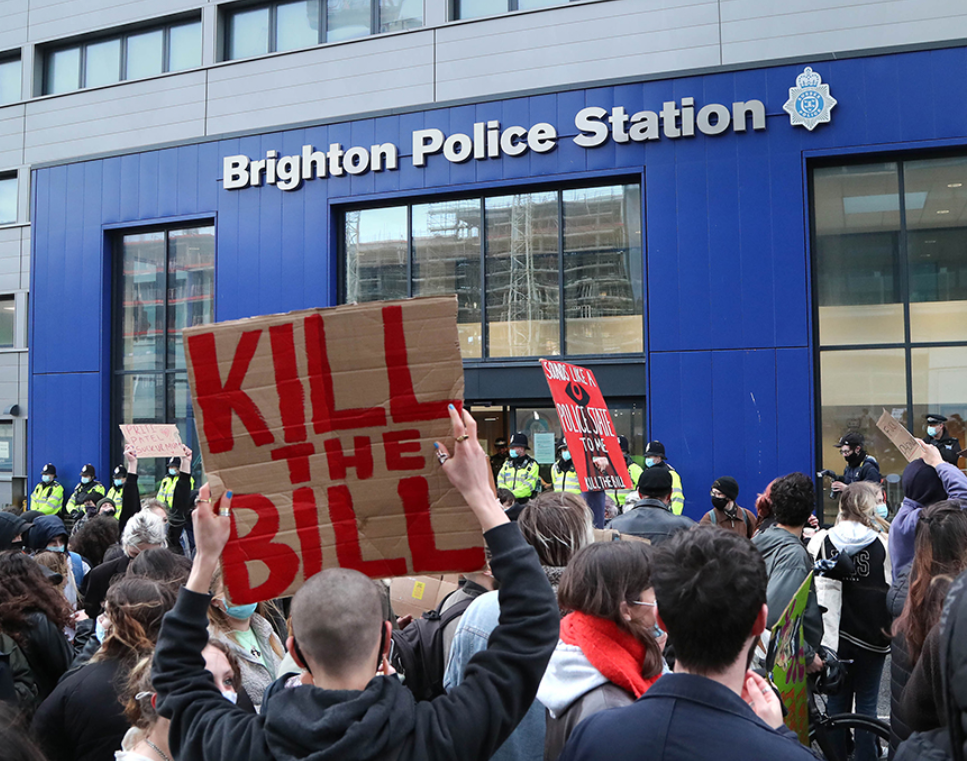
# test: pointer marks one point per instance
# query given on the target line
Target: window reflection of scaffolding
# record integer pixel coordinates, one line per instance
(352, 257)
(524, 298)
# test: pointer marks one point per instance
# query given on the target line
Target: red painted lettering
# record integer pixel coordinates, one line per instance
(415, 493)
(282, 560)
(291, 392)
(339, 462)
(403, 405)
(297, 458)
(307, 527)
(348, 550)
(399, 443)
(325, 416)
(217, 401)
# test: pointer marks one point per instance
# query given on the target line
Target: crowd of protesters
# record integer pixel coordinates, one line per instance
(578, 640)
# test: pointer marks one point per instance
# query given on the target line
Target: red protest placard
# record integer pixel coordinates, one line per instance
(587, 427)
(322, 423)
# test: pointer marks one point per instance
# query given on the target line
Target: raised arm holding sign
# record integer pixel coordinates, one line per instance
(322, 423)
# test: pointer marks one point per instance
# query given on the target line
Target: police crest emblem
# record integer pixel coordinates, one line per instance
(809, 101)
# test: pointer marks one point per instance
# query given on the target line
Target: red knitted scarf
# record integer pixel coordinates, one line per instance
(611, 650)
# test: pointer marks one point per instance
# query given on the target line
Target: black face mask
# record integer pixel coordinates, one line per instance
(720, 502)
(855, 458)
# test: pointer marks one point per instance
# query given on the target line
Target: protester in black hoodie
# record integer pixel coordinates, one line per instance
(349, 713)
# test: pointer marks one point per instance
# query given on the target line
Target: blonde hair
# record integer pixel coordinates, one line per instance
(220, 620)
(857, 503)
(58, 563)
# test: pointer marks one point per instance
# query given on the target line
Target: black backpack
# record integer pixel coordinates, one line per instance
(418, 649)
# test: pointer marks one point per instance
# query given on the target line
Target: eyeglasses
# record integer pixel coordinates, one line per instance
(646, 604)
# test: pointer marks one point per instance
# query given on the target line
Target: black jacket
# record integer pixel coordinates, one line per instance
(651, 519)
(868, 470)
(949, 447)
(47, 651)
(383, 721)
(683, 717)
(96, 583)
(83, 719)
(900, 666)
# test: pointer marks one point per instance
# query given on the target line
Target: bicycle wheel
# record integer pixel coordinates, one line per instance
(848, 723)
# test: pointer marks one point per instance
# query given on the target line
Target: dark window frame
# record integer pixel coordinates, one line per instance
(557, 187)
(228, 12)
(903, 270)
(122, 36)
(15, 176)
(169, 371)
(512, 7)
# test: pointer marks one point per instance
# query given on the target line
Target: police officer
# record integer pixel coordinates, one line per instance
(564, 476)
(89, 486)
(520, 473)
(939, 436)
(116, 492)
(655, 458)
(166, 492)
(860, 466)
(621, 496)
(48, 495)
(498, 459)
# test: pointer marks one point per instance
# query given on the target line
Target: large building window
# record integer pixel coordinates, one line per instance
(890, 253)
(10, 85)
(544, 273)
(115, 58)
(165, 284)
(465, 9)
(276, 27)
(8, 198)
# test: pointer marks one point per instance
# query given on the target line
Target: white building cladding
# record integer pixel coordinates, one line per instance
(85, 77)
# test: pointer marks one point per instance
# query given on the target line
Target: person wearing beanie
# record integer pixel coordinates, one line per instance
(48, 495)
(655, 457)
(651, 517)
(12, 529)
(925, 482)
(725, 513)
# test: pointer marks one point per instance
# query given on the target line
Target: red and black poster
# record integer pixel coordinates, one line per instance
(587, 427)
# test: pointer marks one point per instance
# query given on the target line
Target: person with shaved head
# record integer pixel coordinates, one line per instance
(355, 707)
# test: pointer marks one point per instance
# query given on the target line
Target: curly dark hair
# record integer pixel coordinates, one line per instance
(94, 537)
(24, 588)
(793, 499)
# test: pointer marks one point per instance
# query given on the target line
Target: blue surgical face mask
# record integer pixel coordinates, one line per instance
(119, 482)
(931, 431)
(241, 612)
(515, 453)
(565, 455)
(55, 549)
(650, 462)
(172, 471)
(99, 630)
(85, 479)
(46, 479)
(882, 510)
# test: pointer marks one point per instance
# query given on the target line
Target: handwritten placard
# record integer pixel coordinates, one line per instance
(322, 423)
(902, 438)
(156, 440)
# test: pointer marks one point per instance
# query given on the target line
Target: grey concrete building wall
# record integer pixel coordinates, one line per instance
(563, 45)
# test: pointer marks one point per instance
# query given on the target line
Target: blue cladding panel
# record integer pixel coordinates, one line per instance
(728, 275)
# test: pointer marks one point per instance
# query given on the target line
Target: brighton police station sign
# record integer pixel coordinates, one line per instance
(809, 104)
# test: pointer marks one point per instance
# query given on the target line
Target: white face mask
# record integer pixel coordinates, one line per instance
(231, 696)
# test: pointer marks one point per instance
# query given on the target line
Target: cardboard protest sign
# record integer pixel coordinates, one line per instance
(587, 427)
(156, 440)
(902, 438)
(789, 670)
(322, 423)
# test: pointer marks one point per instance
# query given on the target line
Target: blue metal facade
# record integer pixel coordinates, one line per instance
(728, 308)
